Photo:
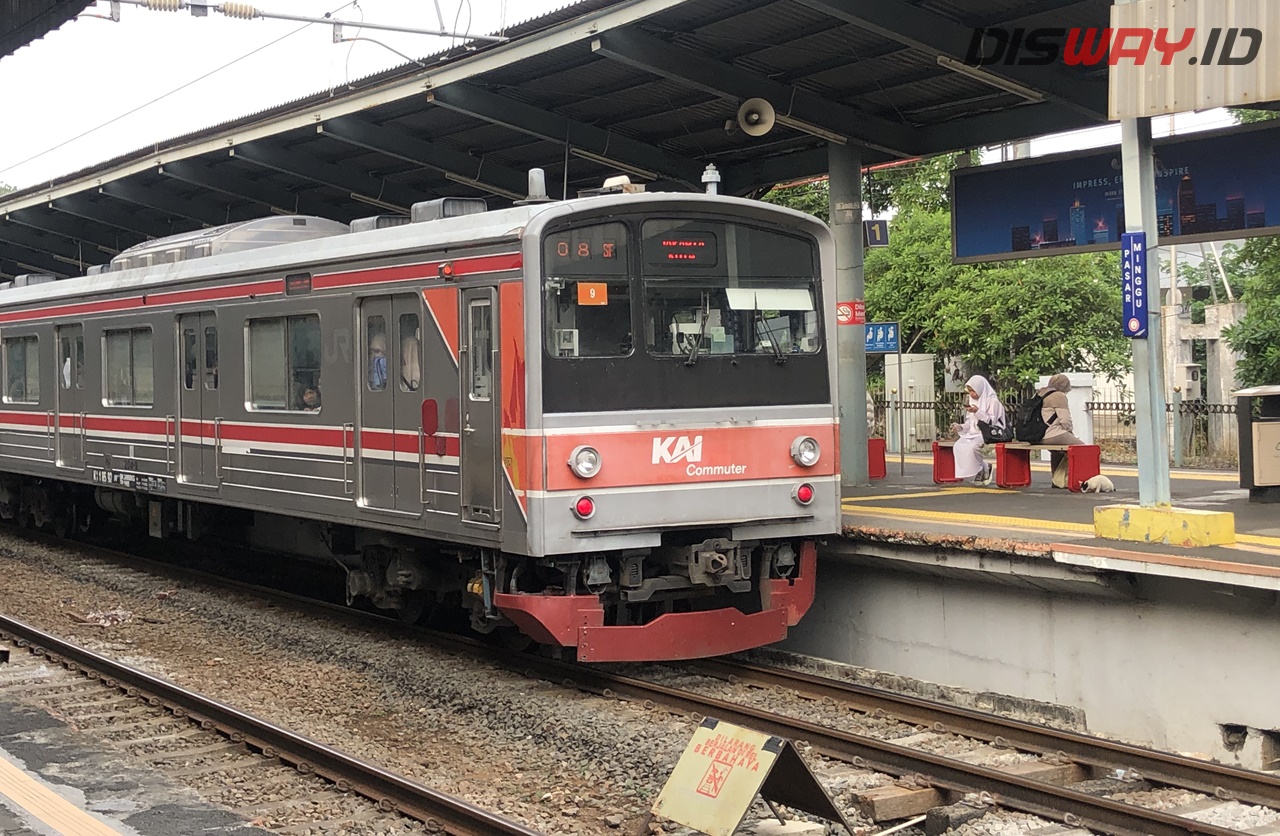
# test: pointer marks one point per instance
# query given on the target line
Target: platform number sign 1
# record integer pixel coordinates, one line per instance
(875, 233)
(1133, 281)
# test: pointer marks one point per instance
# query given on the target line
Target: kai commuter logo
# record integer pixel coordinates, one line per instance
(677, 448)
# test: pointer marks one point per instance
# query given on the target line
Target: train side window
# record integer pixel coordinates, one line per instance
(65, 361)
(211, 358)
(480, 349)
(129, 367)
(376, 348)
(22, 370)
(410, 353)
(189, 358)
(284, 363)
(79, 362)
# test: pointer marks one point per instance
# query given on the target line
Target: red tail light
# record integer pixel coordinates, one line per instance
(584, 508)
(804, 494)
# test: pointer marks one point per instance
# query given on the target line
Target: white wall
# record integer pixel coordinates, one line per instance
(1162, 669)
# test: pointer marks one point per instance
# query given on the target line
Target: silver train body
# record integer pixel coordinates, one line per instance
(608, 422)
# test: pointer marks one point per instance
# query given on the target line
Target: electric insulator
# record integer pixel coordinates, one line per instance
(164, 5)
(244, 11)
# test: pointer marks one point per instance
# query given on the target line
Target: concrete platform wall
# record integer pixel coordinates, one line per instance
(1162, 662)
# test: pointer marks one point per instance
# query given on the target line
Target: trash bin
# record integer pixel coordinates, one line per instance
(1258, 416)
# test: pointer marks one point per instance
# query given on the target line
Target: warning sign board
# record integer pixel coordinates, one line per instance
(724, 767)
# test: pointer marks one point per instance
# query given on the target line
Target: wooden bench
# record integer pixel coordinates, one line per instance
(1013, 463)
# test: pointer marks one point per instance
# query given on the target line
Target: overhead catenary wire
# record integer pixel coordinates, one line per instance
(163, 96)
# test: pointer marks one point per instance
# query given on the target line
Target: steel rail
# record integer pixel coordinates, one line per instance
(1015, 792)
(1161, 767)
(392, 793)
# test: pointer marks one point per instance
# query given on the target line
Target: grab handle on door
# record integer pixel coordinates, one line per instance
(83, 432)
(347, 487)
(217, 448)
(170, 437)
(51, 424)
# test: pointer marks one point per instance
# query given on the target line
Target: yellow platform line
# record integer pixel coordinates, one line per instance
(46, 805)
(975, 519)
(1115, 470)
(850, 507)
(913, 494)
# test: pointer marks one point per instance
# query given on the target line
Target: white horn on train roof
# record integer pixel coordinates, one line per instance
(756, 117)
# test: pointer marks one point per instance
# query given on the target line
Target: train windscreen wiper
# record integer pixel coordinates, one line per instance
(702, 330)
(778, 356)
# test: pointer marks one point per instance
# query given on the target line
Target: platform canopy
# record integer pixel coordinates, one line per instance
(650, 88)
(23, 21)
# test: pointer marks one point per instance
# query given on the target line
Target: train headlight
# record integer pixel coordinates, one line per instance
(585, 461)
(806, 451)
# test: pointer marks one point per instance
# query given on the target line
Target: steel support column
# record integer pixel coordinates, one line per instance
(845, 164)
(1138, 162)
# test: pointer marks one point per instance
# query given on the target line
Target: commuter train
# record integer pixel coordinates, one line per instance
(608, 422)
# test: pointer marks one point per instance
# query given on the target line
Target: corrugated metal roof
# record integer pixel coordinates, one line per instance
(23, 21)
(650, 87)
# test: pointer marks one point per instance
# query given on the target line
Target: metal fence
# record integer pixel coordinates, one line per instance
(1200, 434)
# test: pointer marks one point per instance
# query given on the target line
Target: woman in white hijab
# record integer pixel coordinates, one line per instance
(983, 405)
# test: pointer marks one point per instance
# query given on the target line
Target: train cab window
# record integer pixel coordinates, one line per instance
(728, 288)
(284, 363)
(586, 292)
(190, 359)
(22, 370)
(130, 373)
(211, 358)
(376, 352)
(410, 353)
(480, 349)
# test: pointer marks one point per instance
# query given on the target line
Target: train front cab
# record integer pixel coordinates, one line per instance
(681, 448)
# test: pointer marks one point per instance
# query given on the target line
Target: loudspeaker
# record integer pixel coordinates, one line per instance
(756, 117)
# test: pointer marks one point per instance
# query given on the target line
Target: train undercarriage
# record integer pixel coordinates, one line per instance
(620, 605)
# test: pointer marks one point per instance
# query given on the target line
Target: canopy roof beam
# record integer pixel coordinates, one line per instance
(366, 188)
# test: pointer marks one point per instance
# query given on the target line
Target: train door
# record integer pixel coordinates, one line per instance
(390, 376)
(478, 355)
(198, 398)
(70, 398)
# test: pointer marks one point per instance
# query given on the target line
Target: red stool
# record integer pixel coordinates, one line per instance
(876, 468)
(1013, 465)
(1084, 461)
(944, 463)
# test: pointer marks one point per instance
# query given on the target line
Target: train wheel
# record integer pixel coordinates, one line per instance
(413, 605)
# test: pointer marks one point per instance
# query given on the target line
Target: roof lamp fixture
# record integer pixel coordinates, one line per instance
(381, 204)
(612, 163)
(811, 129)
(990, 78)
(481, 185)
(247, 11)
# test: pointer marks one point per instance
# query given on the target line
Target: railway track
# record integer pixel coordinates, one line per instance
(1062, 804)
(391, 793)
(1100, 754)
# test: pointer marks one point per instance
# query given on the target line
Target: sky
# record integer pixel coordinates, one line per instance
(96, 89)
(93, 71)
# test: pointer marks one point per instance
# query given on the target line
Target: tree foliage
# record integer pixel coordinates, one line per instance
(1257, 335)
(1012, 321)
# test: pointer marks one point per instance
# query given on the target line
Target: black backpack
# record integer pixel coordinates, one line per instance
(1029, 426)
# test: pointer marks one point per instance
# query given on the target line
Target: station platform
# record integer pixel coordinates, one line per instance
(52, 782)
(1040, 523)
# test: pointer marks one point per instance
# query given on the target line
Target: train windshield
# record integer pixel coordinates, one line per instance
(587, 292)
(714, 287)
